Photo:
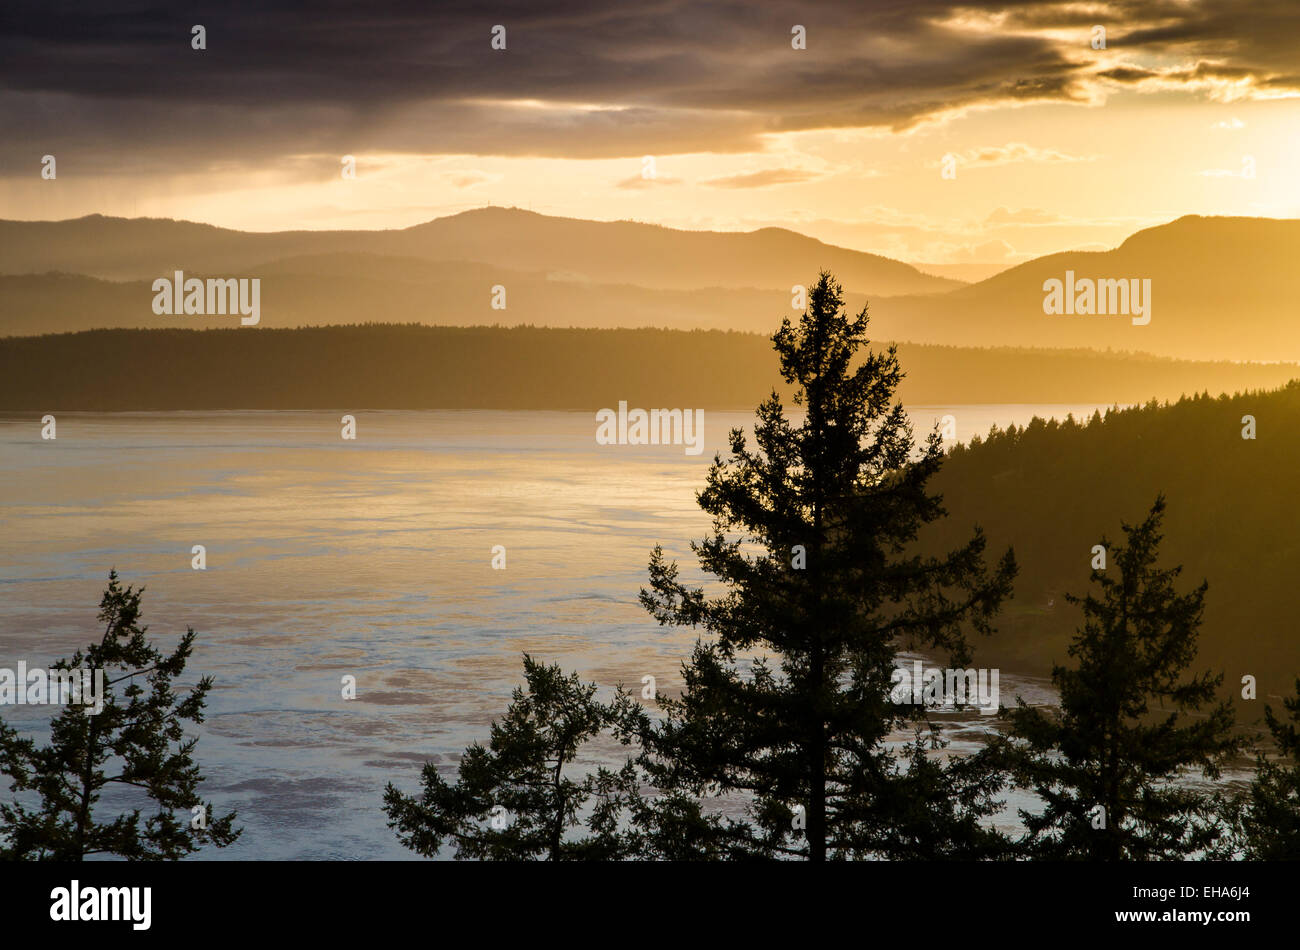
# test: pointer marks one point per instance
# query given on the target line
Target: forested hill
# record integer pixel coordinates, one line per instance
(408, 366)
(1053, 490)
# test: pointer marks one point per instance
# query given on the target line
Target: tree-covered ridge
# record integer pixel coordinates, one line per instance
(1051, 489)
(411, 366)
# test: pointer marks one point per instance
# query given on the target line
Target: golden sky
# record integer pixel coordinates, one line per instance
(1190, 109)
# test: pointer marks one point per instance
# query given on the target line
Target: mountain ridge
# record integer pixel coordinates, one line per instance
(571, 272)
(633, 252)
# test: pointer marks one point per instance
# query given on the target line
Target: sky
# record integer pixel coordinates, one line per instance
(700, 115)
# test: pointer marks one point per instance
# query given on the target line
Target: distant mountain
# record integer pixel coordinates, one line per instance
(332, 289)
(616, 252)
(1221, 288)
(969, 272)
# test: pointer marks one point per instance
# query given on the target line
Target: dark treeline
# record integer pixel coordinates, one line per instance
(1051, 489)
(410, 366)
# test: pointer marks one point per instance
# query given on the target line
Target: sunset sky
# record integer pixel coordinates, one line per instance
(1057, 145)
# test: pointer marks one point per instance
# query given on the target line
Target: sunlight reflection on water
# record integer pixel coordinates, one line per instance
(370, 558)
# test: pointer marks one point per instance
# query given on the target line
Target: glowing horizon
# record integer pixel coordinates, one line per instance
(1056, 144)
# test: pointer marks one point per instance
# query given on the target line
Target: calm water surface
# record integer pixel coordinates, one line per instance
(372, 559)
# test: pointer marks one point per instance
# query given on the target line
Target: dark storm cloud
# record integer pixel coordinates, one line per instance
(578, 79)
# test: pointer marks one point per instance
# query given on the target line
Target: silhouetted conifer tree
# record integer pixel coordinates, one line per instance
(1129, 724)
(513, 800)
(136, 741)
(1270, 818)
(788, 703)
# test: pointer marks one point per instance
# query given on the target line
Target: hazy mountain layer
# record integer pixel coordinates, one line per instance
(1221, 288)
(616, 252)
(1211, 288)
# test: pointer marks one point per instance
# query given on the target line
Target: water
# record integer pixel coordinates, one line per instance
(371, 559)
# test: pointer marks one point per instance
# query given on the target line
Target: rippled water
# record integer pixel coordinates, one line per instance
(370, 558)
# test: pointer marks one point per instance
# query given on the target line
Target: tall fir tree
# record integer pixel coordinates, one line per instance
(787, 703)
(1129, 725)
(137, 742)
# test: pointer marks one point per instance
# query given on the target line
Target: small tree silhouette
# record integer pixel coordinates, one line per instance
(137, 741)
(1269, 816)
(513, 799)
(1109, 748)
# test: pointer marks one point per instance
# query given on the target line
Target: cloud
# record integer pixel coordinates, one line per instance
(1025, 216)
(1220, 83)
(1013, 153)
(469, 179)
(763, 179)
(990, 251)
(119, 86)
(639, 182)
